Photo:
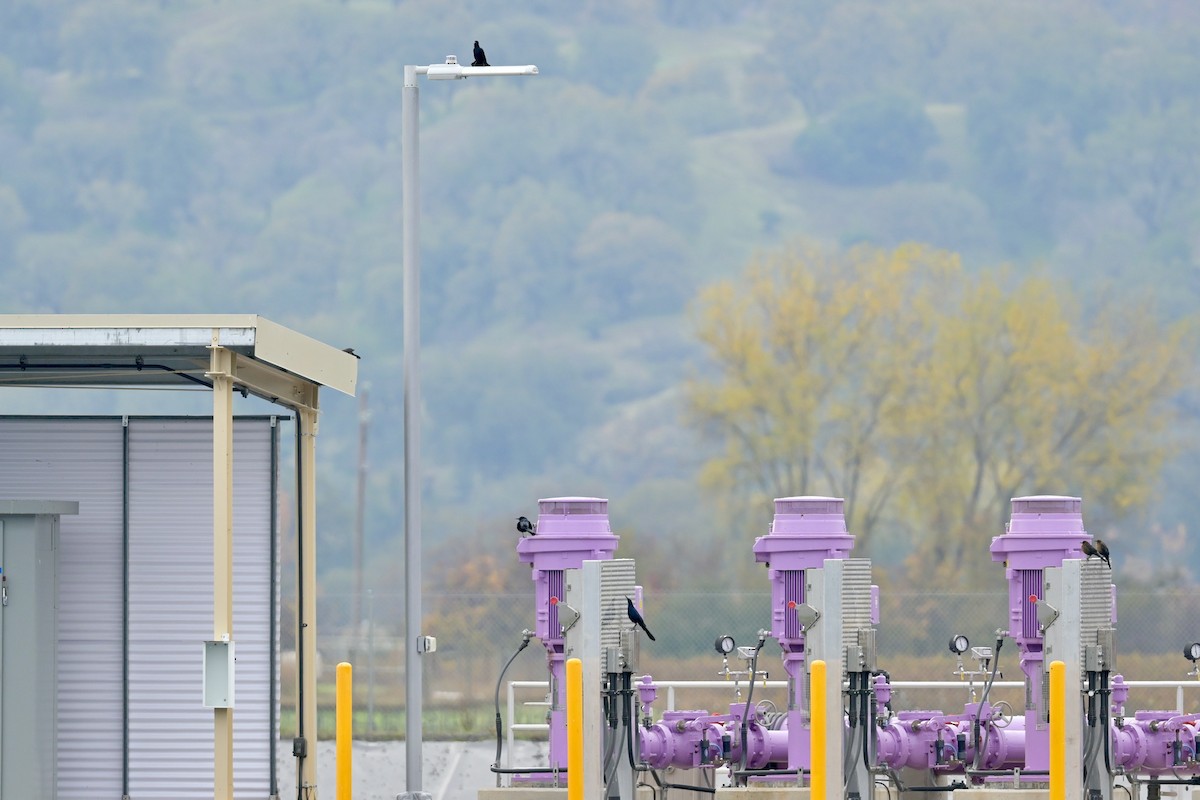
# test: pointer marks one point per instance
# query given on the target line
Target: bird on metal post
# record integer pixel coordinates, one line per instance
(1102, 551)
(636, 618)
(1086, 547)
(524, 526)
(480, 57)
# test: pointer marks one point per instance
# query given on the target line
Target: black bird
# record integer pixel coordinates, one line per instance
(524, 526)
(636, 618)
(480, 57)
(1102, 551)
(1087, 548)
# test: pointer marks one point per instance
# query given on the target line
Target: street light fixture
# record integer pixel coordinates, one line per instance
(416, 643)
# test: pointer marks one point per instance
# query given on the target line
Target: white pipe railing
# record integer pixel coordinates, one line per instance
(671, 686)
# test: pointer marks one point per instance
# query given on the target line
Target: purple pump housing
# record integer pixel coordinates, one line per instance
(804, 532)
(570, 530)
(1043, 531)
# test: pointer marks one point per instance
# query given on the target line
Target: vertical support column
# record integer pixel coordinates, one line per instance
(584, 642)
(221, 374)
(1063, 643)
(824, 590)
(306, 608)
(411, 309)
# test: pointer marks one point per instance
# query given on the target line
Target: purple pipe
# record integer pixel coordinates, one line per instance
(930, 740)
(570, 530)
(683, 739)
(689, 739)
(1156, 742)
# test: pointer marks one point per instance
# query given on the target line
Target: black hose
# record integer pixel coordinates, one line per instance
(749, 697)
(902, 788)
(867, 714)
(983, 701)
(629, 720)
(527, 770)
(1105, 712)
(526, 635)
(1089, 730)
(611, 747)
(855, 730)
(754, 772)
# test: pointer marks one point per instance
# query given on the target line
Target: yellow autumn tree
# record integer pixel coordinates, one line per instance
(1024, 395)
(926, 397)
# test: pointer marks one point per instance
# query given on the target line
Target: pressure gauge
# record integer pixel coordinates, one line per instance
(1192, 652)
(959, 644)
(725, 645)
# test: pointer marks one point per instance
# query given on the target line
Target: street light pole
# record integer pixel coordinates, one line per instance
(415, 642)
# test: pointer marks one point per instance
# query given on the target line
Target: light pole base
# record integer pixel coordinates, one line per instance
(414, 796)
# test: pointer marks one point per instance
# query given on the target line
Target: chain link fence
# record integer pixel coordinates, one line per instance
(477, 633)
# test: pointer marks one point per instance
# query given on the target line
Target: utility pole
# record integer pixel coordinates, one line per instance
(360, 507)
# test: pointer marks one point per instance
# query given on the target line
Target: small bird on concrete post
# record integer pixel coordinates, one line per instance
(524, 526)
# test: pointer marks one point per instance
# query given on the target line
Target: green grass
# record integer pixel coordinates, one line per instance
(466, 723)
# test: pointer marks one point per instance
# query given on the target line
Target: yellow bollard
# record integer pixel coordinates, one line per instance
(816, 732)
(1058, 730)
(574, 729)
(344, 728)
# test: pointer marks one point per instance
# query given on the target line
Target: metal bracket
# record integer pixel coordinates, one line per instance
(567, 617)
(807, 616)
(1046, 614)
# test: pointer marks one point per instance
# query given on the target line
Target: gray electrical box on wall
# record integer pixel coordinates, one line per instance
(28, 626)
(218, 674)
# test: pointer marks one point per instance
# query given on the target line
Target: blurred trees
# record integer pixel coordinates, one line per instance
(928, 397)
(872, 142)
(207, 156)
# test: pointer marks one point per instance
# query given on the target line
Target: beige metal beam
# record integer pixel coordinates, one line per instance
(306, 609)
(221, 374)
(274, 384)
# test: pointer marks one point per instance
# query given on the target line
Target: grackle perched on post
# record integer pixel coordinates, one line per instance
(636, 618)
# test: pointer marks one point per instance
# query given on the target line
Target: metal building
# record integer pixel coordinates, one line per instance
(173, 546)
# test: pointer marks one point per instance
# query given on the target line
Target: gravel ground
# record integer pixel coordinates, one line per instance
(452, 770)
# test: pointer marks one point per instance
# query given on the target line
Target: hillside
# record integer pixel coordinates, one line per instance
(198, 156)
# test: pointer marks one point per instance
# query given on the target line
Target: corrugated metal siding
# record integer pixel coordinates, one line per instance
(57, 459)
(171, 733)
(617, 582)
(1095, 605)
(856, 601)
(171, 598)
(252, 609)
